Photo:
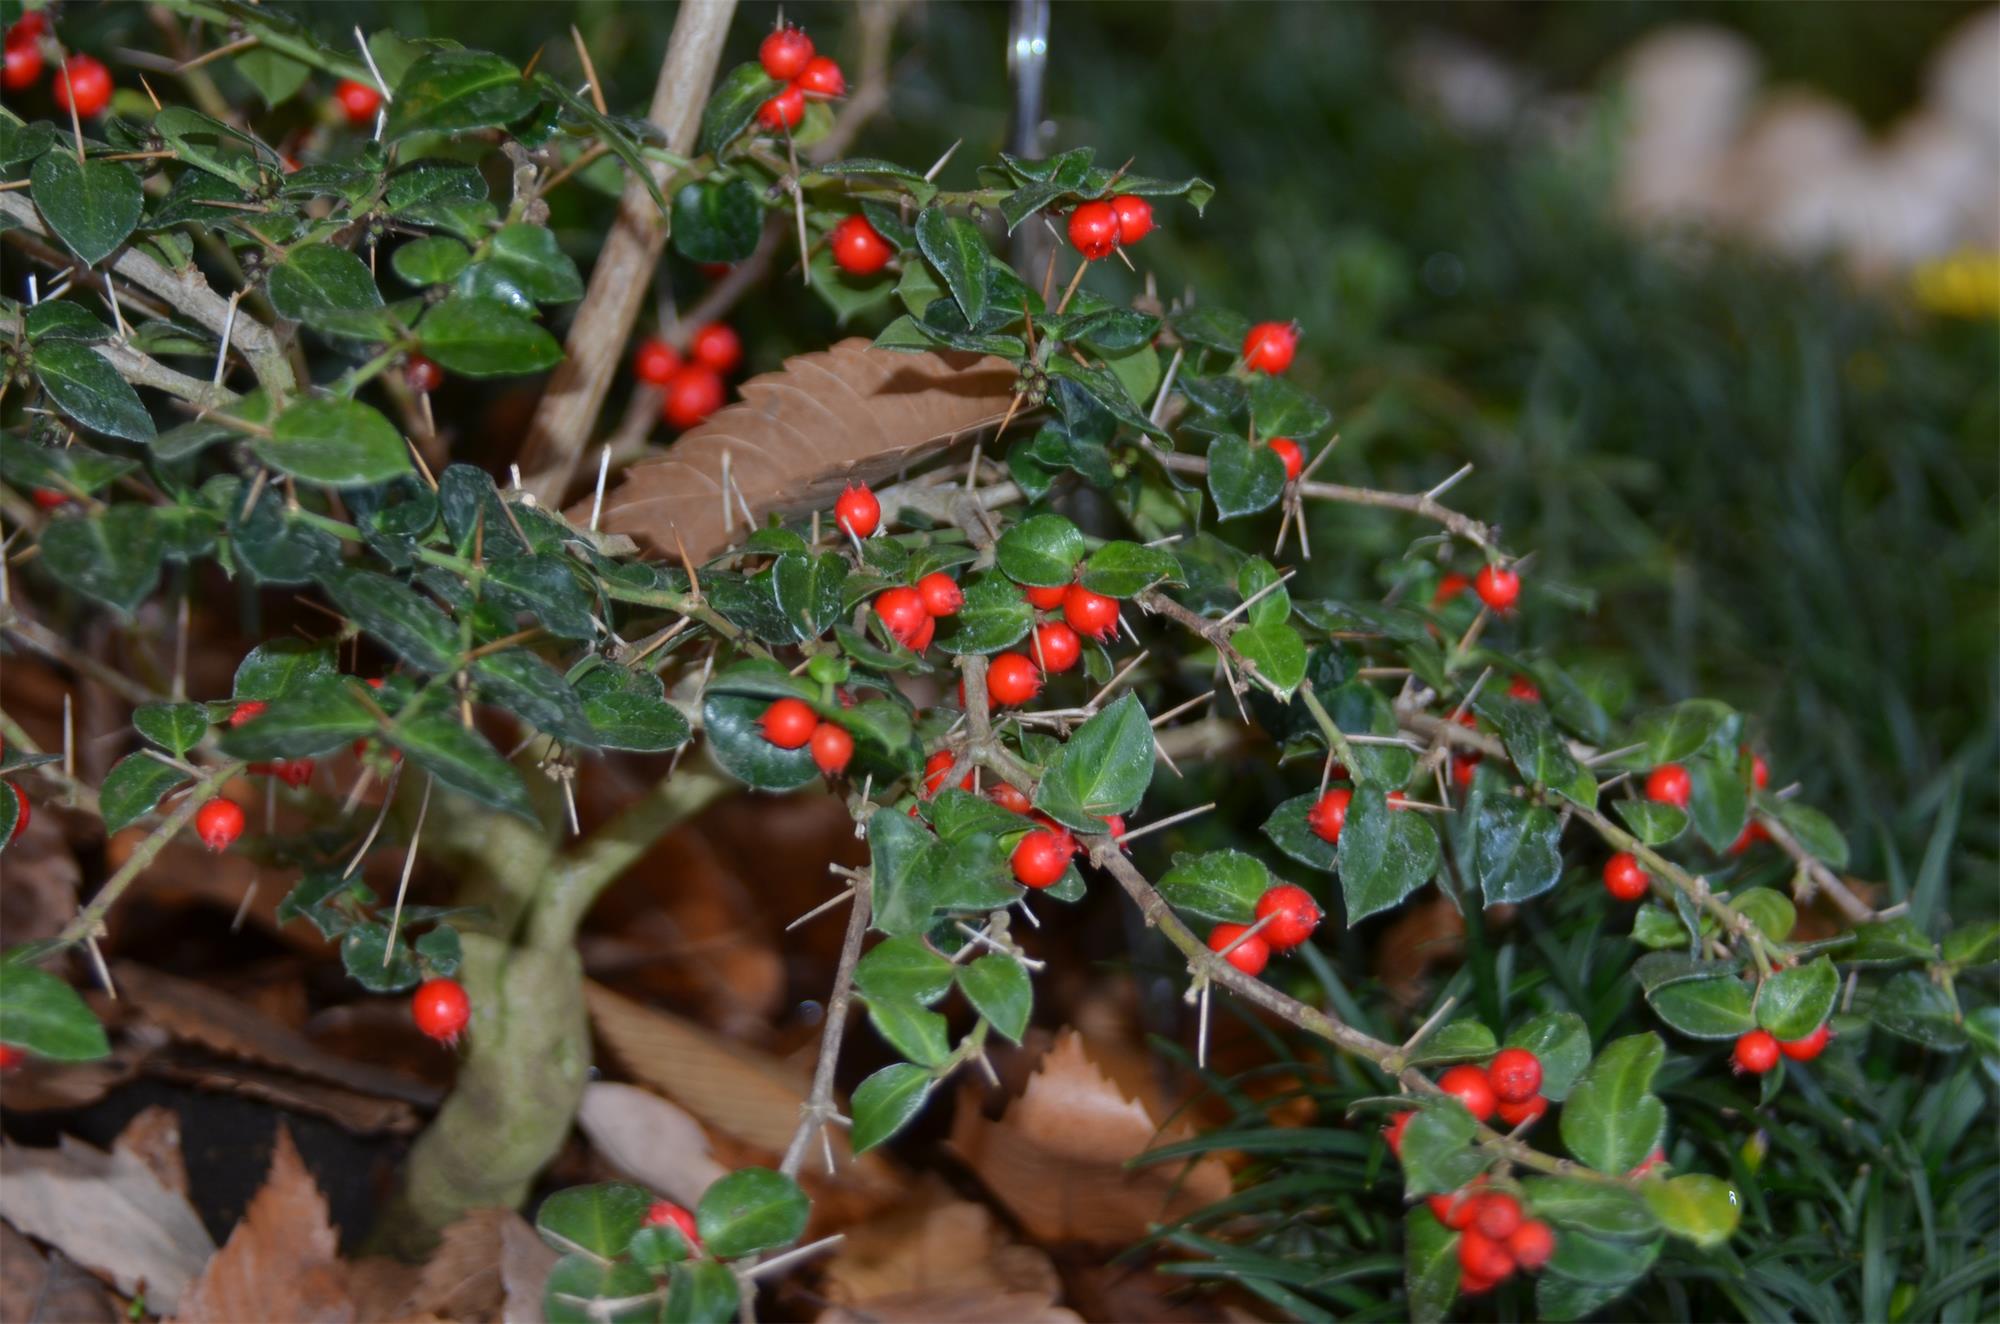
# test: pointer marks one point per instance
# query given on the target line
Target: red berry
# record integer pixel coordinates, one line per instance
(441, 1009)
(1531, 1244)
(1042, 857)
(1090, 614)
(1114, 827)
(832, 747)
(1469, 1085)
(1516, 1074)
(1057, 646)
(1448, 588)
(1269, 346)
(1625, 877)
(665, 1213)
(718, 347)
(1393, 1132)
(1046, 599)
(655, 361)
(822, 78)
(1135, 217)
(1527, 1110)
(692, 394)
(422, 375)
(293, 772)
(1471, 1284)
(218, 823)
(85, 79)
(940, 593)
(11, 1057)
(1297, 915)
(1498, 1216)
(21, 812)
(935, 769)
(1670, 785)
(1329, 814)
(1752, 833)
(857, 512)
(1464, 764)
(1294, 458)
(925, 633)
(1498, 588)
(1456, 1209)
(1799, 1050)
(1756, 1052)
(1523, 689)
(903, 615)
(1760, 771)
(785, 53)
(33, 25)
(245, 711)
(1013, 679)
(24, 63)
(1482, 1256)
(1250, 955)
(858, 247)
(50, 499)
(1652, 1162)
(1010, 797)
(358, 101)
(789, 723)
(1093, 230)
(783, 111)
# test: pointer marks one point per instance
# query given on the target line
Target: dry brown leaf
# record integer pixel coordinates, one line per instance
(932, 1241)
(462, 1280)
(282, 1262)
(1057, 1156)
(954, 1305)
(848, 413)
(42, 877)
(153, 1137)
(649, 1139)
(47, 1289)
(525, 1261)
(109, 1213)
(382, 1287)
(363, 1114)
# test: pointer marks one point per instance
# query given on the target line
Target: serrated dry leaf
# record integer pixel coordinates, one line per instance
(282, 1262)
(648, 1139)
(153, 1136)
(109, 1213)
(851, 413)
(47, 1289)
(933, 1242)
(1056, 1158)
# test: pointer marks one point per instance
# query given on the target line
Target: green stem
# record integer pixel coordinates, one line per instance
(87, 920)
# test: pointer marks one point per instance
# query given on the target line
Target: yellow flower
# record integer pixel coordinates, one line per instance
(1966, 284)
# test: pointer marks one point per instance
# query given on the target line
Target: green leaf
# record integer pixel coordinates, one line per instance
(363, 950)
(1973, 945)
(423, 186)
(701, 1292)
(43, 1015)
(395, 614)
(113, 557)
(1607, 1262)
(318, 899)
(1657, 927)
(957, 251)
(1220, 885)
(476, 337)
(1103, 769)
(1912, 1007)
(999, 989)
(1771, 911)
(436, 260)
(1673, 734)
(92, 206)
(1653, 823)
(1715, 1008)
(1660, 969)
(1720, 801)
(441, 952)
(1460, 1041)
(1794, 1002)
(629, 710)
(1385, 854)
(453, 90)
(1123, 569)
(1516, 849)
(525, 685)
(1289, 829)
(281, 667)
(1538, 749)
(319, 278)
(336, 443)
(311, 721)
(1701, 1208)
(750, 1210)
(1041, 551)
(1588, 1206)
(807, 590)
(276, 77)
(901, 857)
(87, 388)
(717, 221)
(1283, 410)
(63, 319)
(739, 745)
(174, 727)
(583, 1289)
(524, 266)
(1888, 942)
(1562, 1041)
(906, 969)
(12, 802)
(208, 144)
(734, 104)
(1430, 1266)
(1560, 1298)
(884, 1103)
(1438, 1153)
(1814, 831)
(461, 758)
(916, 1032)
(1276, 651)
(1611, 1121)
(1242, 478)
(596, 1220)
(994, 616)
(545, 587)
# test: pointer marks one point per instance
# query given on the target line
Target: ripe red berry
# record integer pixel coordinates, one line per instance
(246, 711)
(422, 375)
(84, 79)
(1532, 1244)
(1297, 915)
(857, 513)
(858, 247)
(1042, 857)
(1498, 1215)
(24, 63)
(665, 1213)
(1752, 833)
(717, 346)
(1526, 1110)
(1483, 1257)
(1013, 679)
(1114, 827)
(1516, 1075)
(1250, 955)
(1135, 217)
(655, 361)
(293, 772)
(1010, 797)
(832, 747)
(1669, 784)
(358, 102)
(1464, 765)
(1093, 230)
(692, 394)
(11, 1057)
(1048, 598)
(903, 615)
(1269, 346)
(441, 1009)
(1469, 1085)
(822, 78)
(1760, 771)
(789, 723)
(1057, 646)
(1471, 1284)
(21, 812)
(1524, 689)
(785, 53)
(1090, 614)
(218, 823)
(1329, 814)
(1651, 1163)
(940, 593)
(1498, 588)
(783, 111)
(50, 499)
(1449, 587)
(33, 25)
(935, 769)
(1294, 458)
(1799, 1050)
(1625, 877)
(1756, 1052)
(1393, 1132)
(1456, 1209)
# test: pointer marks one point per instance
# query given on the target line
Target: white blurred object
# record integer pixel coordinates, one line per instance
(1964, 79)
(1687, 91)
(1472, 91)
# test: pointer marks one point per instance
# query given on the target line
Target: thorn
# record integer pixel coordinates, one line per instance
(154, 97)
(603, 472)
(589, 69)
(1134, 833)
(381, 83)
(1201, 1035)
(1178, 709)
(69, 737)
(1069, 291)
(1448, 483)
(222, 349)
(938, 165)
(409, 866)
(1166, 385)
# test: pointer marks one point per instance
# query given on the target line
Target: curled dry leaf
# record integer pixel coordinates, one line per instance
(1057, 1156)
(649, 1139)
(852, 413)
(282, 1262)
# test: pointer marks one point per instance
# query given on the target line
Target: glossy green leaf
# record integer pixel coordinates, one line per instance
(523, 266)
(1243, 478)
(999, 989)
(1771, 911)
(1516, 849)
(1598, 1208)
(1611, 1120)
(63, 319)
(43, 1015)
(596, 1220)
(1104, 768)
(1911, 1007)
(717, 221)
(375, 964)
(1123, 569)
(174, 727)
(315, 719)
(917, 1033)
(1562, 1041)
(1385, 854)
(276, 77)
(583, 1289)
(478, 337)
(1438, 1154)
(1459, 1041)
(701, 1292)
(523, 684)
(734, 104)
(1698, 1207)
(397, 615)
(1673, 734)
(739, 745)
(134, 788)
(1538, 749)
(1719, 802)
(750, 1210)
(1276, 651)
(884, 1103)
(461, 758)
(1715, 1008)
(1813, 830)
(281, 667)
(1795, 1001)
(319, 278)
(629, 710)
(92, 206)
(1041, 551)
(449, 91)
(436, 260)
(1290, 829)
(113, 557)
(901, 857)
(334, 442)
(1220, 885)
(906, 969)
(1430, 1266)
(1653, 823)
(994, 616)
(957, 252)
(545, 588)
(87, 388)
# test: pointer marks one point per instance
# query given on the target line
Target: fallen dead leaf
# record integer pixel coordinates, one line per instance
(363, 1114)
(153, 1136)
(525, 1261)
(109, 1213)
(1056, 1158)
(47, 1289)
(42, 877)
(932, 1242)
(649, 1139)
(282, 1262)
(954, 1305)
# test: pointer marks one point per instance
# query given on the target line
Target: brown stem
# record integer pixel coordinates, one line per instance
(86, 922)
(1824, 878)
(1417, 503)
(819, 1103)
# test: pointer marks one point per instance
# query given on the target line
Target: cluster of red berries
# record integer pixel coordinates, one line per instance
(1670, 784)
(1099, 229)
(692, 388)
(791, 723)
(359, 102)
(1013, 679)
(1759, 1050)
(1508, 1087)
(1041, 857)
(292, 772)
(1286, 917)
(80, 82)
(787, 55)
(441, 1009)
(910, 615)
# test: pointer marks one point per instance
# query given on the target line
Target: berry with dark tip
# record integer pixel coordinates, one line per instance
(1135, 217)
(1057, 646)
(1042, 857)
(1093, 230)
(1013, 679)
(941, 594)
(441, 1009)
(1090, 614)
(1293, 915)
(785, 53)
(1268, 347)
(1756, 1052)
(789, 723)
(857, 513)
(219, 823)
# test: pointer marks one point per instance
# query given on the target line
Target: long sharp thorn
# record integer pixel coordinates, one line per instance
(409, 866)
